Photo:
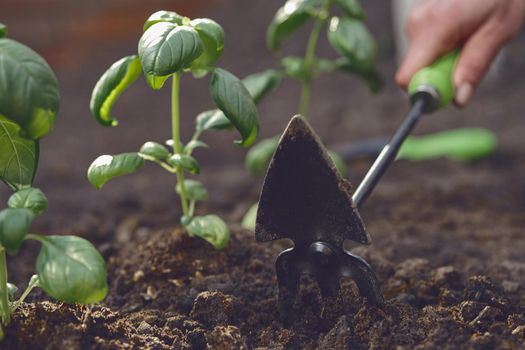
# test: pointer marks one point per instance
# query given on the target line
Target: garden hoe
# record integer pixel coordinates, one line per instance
(306, 200)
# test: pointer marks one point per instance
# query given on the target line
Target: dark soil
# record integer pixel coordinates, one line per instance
(169, 291)
(448, 238)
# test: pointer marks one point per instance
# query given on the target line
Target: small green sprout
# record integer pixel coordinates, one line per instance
(171, 46)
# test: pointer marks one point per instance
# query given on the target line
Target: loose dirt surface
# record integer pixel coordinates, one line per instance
(448, 238)
(169, 291)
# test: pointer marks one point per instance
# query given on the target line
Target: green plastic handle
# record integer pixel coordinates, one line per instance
(436, 78)
(459, 144)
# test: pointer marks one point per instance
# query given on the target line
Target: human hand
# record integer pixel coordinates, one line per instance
(480, 27)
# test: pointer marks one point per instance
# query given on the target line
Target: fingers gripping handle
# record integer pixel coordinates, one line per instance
(436, 82)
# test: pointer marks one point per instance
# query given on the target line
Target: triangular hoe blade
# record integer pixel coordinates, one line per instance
(304, 198)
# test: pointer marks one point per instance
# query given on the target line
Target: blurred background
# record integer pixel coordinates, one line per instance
(81, 39)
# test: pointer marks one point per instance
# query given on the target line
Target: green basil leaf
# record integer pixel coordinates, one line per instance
(339, 163)
(322, 66)
(185, 162)
(212, 37)
(29, 198)
(154, 151)
(351, 38)
(234, 100)
(71, 269)
(14, 226)
(18, 156)
(167, 48)
(210, 228)
(368, 73)
(212, 120)
(29, 89)
(199, 73)
(193, 144)
(351, 7)
(156, 83)
(250, 218)
(195, 190)
(107, 167)
(3, 30)
(260, 155)
(288, 19)
(110, 86)
(163, 16)
(11, 290)
(260, 84)
(294, 68)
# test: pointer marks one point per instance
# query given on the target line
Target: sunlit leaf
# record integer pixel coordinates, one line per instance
(107, 167)
(18, 156)
(351, 38)
(294, 67)
(288, 19)
(163, 16)
(234, 100)
(3, 30)
(155, 151)
(11, 290)
(212, 120)
(166, 48)
(195, 190)
(260, 155)
(110, 86)
(29, 198)
(210, 228)
(71, 270)
(212, 37)
(250, 218)
(260, 84)
(185, 162)
(28, 89)
(193, 144)
(14, 226)
(351, 8)
(155, 82)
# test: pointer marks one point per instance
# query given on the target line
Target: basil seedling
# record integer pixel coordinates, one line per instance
(171, 46)
(346, 33)
(348, 36)
(68, 268)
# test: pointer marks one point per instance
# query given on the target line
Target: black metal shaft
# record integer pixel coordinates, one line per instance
(388, 154)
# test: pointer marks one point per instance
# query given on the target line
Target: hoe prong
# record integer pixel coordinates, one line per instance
(361, 272)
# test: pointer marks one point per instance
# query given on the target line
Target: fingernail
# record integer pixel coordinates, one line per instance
(464, 93)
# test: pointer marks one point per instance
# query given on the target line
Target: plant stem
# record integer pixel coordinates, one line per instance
(309, 62)
(33, 282)
(4, 294)
(177, 147)
(192, 208)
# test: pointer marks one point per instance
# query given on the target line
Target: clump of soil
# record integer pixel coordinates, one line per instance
(168, 291)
